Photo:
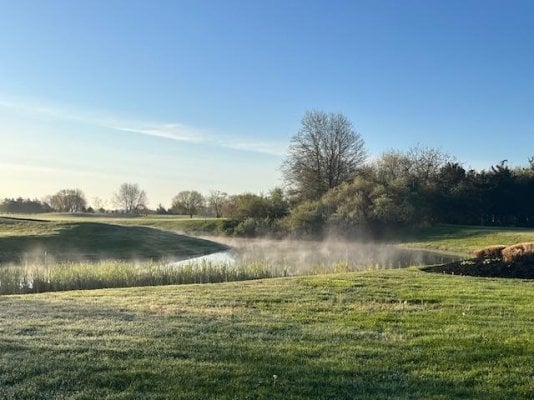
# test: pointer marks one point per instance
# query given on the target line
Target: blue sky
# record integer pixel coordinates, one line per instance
(206, 95)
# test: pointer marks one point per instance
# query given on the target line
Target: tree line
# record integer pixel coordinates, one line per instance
(330, 185)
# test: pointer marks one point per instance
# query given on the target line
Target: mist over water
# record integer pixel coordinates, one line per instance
(295, 257)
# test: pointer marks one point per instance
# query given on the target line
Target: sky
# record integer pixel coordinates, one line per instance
(203, 95)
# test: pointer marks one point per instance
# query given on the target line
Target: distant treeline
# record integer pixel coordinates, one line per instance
(331, 187)
(24, 206)
(416, 188)
(419, 187)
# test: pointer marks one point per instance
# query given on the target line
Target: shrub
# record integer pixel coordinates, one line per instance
(490, 252)
(519, 252)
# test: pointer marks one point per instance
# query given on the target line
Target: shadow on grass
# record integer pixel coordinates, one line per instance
(91, 241)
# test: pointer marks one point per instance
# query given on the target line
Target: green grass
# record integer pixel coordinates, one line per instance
(117, 274)
(30, 241)
(383, 334)
(175, 223)
(396, 334)
(465, 239)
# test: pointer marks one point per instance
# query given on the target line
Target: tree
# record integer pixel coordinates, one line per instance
(425, 163)
(161, 210)
(26, 206)
(99, 204)
(187, 202)
(130, 198)
(216, 200)
(325, 152)
(68, 200)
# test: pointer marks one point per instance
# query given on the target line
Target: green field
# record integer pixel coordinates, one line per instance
(24, 240)
(465, 239)
(382, 334)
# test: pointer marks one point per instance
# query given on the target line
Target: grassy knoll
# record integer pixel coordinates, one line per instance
(448, 238)
(394, 334)
(465, 239)
(24, 241)
(176, 223)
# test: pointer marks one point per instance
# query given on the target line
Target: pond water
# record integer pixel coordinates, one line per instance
(294, 257)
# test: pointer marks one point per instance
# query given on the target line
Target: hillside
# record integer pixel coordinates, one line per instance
(30, 240)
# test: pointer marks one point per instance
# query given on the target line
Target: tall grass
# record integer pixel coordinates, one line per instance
(53, 277)
(36, 278)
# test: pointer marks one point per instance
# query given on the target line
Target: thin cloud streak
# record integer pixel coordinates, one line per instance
(172, 131)
(178, 132)
(18, 167)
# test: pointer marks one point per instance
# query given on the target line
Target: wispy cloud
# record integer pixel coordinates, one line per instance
(171, 131)
(178, 132)
(39, 169)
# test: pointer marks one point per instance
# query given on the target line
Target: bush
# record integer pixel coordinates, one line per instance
(490, 252)
(521, 252)
(307, 219)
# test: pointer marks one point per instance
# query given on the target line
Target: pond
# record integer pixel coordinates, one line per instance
(295, 257)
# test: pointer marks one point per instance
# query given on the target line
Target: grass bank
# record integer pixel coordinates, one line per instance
(174, 223)
(40, 255)
(393, 334)
(463, 239)
(25, 241)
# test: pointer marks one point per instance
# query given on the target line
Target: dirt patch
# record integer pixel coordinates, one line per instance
(485, 268)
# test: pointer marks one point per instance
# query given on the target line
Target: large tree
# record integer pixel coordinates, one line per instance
(130, 198)
(325, 152)
(188, 202)
(68, 200)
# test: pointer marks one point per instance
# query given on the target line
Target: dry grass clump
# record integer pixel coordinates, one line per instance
(518, 252)
(490, 252)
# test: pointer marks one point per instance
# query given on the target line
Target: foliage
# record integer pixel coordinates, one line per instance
(307, 219)
(68, 200)
(24, 206)
(188, 202)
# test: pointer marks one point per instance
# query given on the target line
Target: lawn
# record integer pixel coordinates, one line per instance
(376, 334)
(465, 239)
(394, 334)
(25, 240)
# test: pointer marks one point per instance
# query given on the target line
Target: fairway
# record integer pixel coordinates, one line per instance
(397, 334)
(374, 334)
(37, 240)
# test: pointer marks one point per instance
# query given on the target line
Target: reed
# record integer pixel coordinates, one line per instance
(37, 278)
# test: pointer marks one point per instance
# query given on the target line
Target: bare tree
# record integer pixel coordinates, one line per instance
(98, 204)
(215, 201)
(188, 202)
(130, 198)
(419, 165)
(68, 200)
(325, 152)
(426, 162)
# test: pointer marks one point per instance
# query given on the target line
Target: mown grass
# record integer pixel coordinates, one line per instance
(29, 241)
(389, 334)
(465, 239)
(175, 223)
(383, 334)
